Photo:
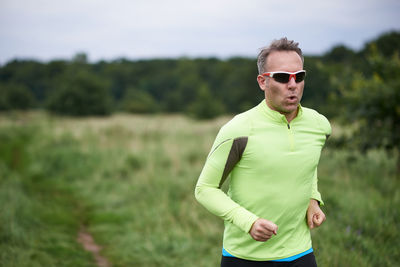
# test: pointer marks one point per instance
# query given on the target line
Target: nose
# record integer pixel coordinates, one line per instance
(292, 83)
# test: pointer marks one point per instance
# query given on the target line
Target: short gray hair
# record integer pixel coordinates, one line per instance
(282, 44)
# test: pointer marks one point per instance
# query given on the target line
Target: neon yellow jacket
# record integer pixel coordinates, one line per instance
(273, 174)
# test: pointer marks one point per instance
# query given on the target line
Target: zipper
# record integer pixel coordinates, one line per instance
(290, 136)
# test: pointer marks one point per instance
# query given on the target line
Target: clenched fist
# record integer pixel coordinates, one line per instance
(315, 216)
(262, 230)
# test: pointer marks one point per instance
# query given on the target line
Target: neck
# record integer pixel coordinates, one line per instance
(290, 116)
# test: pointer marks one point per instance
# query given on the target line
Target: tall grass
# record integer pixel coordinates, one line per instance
(39, 216)
(130, 180)
(362, 204)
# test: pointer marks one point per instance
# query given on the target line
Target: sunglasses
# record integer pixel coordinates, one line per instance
(285, 77)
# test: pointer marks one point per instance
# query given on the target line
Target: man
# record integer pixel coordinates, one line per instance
(271, 153)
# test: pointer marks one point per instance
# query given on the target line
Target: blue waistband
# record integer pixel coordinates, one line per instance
(292, 258)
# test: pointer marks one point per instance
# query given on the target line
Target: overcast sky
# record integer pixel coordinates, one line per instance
(137, 29)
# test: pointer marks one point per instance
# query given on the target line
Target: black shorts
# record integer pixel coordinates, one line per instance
(305, 261)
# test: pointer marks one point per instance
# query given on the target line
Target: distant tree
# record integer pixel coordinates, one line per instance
(28, 73)
(136, 101)
(339, 53)
(238, 89)
(318, 86)
(80, 94)
(188, 82)
(387, 44)
(15, 96)
(373, 103)
(80, 58)
(206, 106)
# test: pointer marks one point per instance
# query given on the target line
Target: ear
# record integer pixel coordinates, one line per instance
(262, 82)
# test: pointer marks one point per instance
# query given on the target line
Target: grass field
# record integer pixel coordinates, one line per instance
(129, 181)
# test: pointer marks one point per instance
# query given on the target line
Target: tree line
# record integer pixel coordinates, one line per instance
(202, 87)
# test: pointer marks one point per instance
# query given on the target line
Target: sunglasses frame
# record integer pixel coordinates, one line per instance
(291, 75)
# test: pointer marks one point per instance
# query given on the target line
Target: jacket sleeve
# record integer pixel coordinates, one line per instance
(327, 130)
(208, 188)
(315, 194)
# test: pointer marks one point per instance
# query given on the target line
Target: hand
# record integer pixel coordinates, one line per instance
(262, 230)
(315, 216)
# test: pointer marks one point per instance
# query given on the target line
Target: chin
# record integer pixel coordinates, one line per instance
(290, 109)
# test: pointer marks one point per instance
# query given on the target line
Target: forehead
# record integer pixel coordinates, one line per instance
(284, 60)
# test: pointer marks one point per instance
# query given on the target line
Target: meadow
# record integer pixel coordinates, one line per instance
(129, 181)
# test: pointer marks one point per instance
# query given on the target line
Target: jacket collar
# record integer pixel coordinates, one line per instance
(275, 115)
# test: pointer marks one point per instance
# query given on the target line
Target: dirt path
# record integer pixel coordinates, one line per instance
(88, 243)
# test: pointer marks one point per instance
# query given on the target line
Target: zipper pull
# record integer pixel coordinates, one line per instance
(288, 126)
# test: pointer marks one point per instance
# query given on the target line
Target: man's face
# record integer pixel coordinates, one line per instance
(282, 97)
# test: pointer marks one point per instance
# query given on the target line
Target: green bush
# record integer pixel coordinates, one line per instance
(80, 95)
(15, 96)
